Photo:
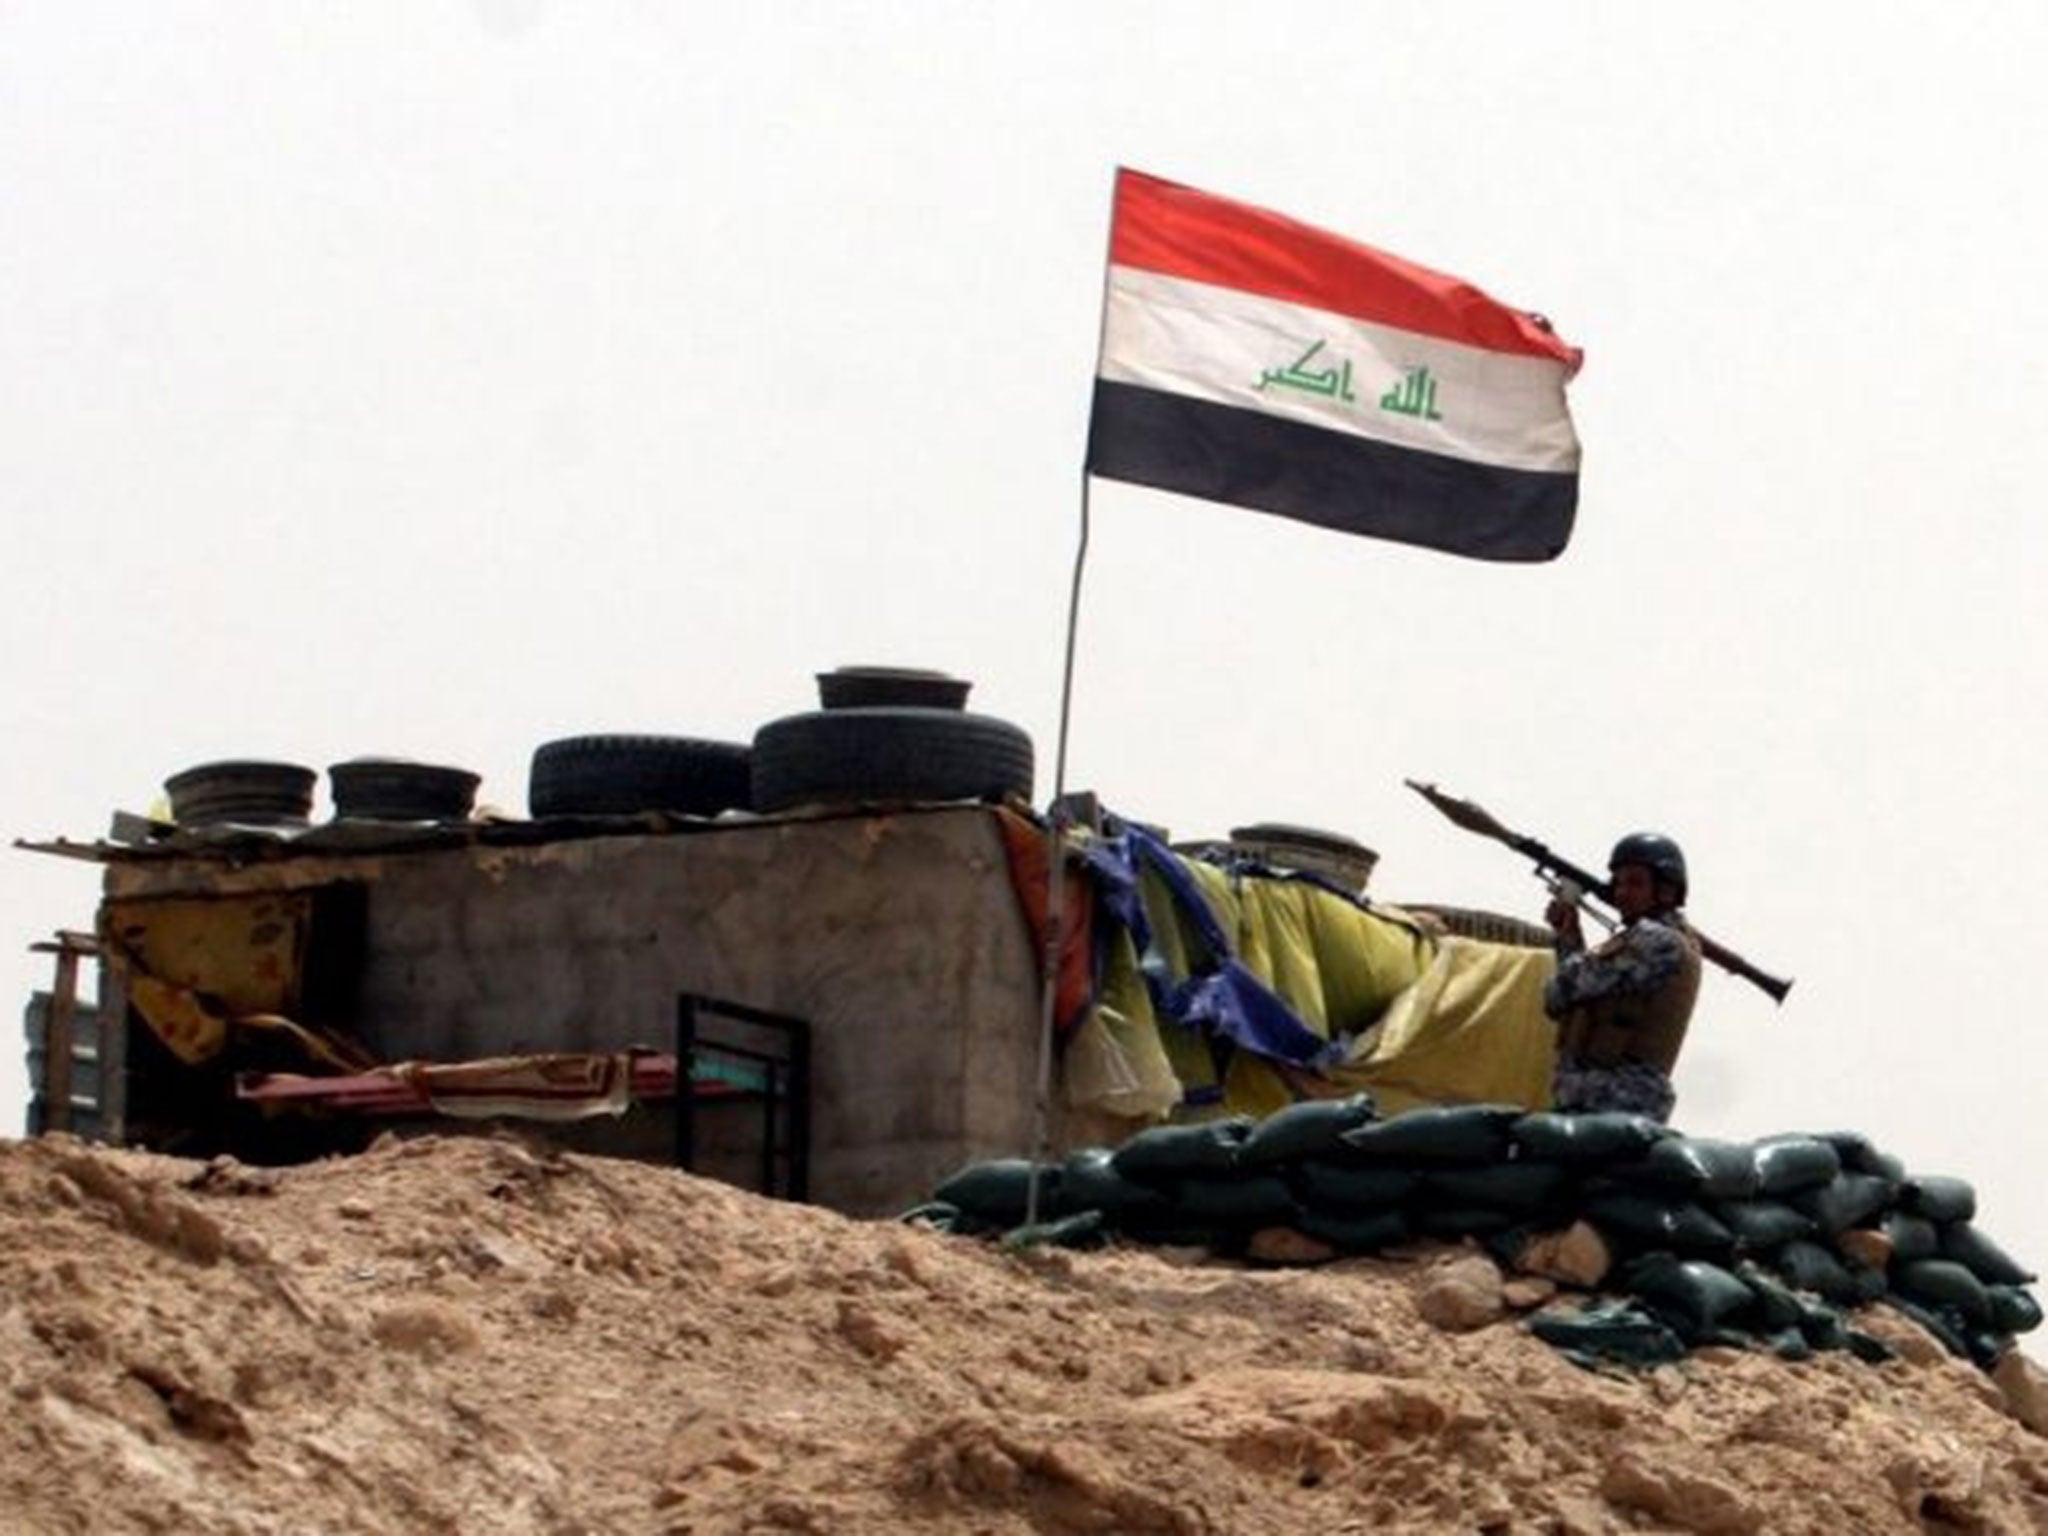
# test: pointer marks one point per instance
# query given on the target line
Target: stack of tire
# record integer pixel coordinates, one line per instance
(1767, 1243)
(884, 735)
(241, 792)
(394, 789)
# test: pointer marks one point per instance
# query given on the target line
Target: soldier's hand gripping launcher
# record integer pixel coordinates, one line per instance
(1557, 870)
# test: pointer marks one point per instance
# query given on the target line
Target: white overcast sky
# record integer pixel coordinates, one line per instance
(433, 379)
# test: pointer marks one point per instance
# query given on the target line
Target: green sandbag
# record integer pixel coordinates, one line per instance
(1524, 1187)
(1789, 1344)
(1776, 1304)
(1759, 1226)
(1089, 1182)
(1640, 1221)
(1243, 1203)
(1691, 1295)
(1084, 1229)
(1458, 1135)
(1985, 1347)
(1452, 1222)
(1867, 1347)
(2013, 1310)
(1356, 1232)
(1695, 1165)
(1944, 1283)
(1609, 1136)
(1786, 1163)
(1345, 1188)
(1938, 1198)
(1163, 1153)
(1981, 1256)
(1911, 1237)
(1307, 1129)
(1844, 1202)
(1609, 1333)
(1859, 1155)
(1823, 1328)
(998, 1190)
(1809, 1267)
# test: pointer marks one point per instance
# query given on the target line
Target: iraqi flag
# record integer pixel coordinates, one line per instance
(1250, 359)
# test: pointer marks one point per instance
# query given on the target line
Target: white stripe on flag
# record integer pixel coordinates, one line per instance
(1332, 371)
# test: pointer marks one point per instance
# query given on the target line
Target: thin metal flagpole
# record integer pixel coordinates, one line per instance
(1055, 888)
(1055, 816)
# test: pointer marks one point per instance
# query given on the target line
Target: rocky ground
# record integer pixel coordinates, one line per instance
(480, 1336)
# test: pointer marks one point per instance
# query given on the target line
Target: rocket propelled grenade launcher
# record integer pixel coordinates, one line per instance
(1557, 871)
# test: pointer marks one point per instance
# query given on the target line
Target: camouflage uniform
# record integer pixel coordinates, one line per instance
(1622, 1010)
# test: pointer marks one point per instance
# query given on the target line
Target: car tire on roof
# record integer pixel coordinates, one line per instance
(391, 789)
(626, 775)
(852, 756)
(241, 791)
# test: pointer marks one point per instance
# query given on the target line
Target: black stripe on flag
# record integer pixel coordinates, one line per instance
(1331, 479)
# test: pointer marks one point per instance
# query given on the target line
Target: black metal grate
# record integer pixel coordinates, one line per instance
(748, 1051)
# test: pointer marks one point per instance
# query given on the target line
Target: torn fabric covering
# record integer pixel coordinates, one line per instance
(1024, 843)
(554, 1088)
(1227, 1000)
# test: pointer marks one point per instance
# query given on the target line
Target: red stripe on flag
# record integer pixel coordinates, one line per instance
(1163, 227)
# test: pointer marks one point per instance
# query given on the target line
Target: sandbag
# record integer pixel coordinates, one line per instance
(1691, 1295)
(1868, 1347)
(1938, 1198)
(2012, 1309)
(1776, 1305)
(1089, 1181)
(1944, 1283)
(1609, 1333)
(1244, 1203)
(1911, 1237)
(1982, 1257)
(1760, 1226)
(1985, 1346)
(998, 1190)
(1083, 1229)
(1308, 1129)
(1811, 1267)
(1786, 1163)
(1823, 1328)
(1843, 1202)
(1638, 1221)
(1858, 1155)
(1344, 1187)
(1609, 1136)
(1449, 1135)
(1695, 1165)
(1789, 1344)
(1946, 1327)
(1513, 1186)
(1163, 1153)
(1356, 1231)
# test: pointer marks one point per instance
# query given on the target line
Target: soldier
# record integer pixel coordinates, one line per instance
(1622, 1008)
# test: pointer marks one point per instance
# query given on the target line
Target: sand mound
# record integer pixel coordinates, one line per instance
(479, 1336)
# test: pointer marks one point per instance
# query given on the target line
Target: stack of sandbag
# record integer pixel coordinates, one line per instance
(1763, 1242)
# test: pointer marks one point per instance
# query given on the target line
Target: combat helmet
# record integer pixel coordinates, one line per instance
(1664, 859)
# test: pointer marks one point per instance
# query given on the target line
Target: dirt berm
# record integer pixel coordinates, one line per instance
(468, 1335)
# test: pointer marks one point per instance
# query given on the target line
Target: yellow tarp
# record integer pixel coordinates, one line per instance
(1471, 1031)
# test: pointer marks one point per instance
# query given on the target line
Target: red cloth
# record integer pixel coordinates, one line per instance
(1025, 843)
